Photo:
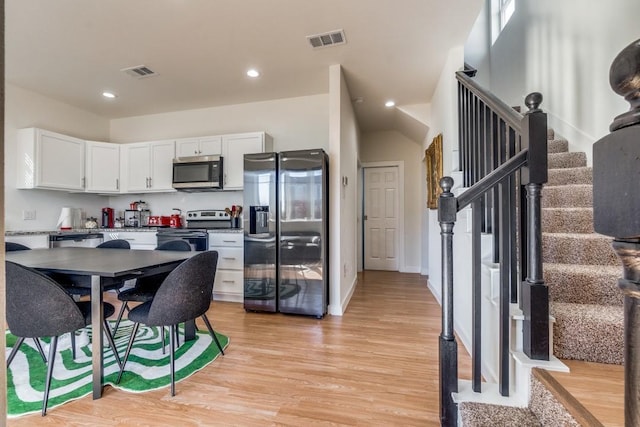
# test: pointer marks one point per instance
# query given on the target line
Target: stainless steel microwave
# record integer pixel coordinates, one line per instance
(198, 173)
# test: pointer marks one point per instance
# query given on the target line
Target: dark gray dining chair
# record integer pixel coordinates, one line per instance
(184, 295)
(37, 306)
(146, 287)
(12, 246)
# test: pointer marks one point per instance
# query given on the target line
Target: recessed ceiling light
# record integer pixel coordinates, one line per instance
(253, 73)
(109, 95)
(389, 104)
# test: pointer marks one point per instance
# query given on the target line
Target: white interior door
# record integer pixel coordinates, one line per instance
(381, 210)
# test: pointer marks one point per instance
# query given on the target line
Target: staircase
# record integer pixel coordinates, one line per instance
(580, 266)
(582, 273)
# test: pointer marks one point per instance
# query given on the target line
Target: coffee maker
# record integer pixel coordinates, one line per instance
(107, 217)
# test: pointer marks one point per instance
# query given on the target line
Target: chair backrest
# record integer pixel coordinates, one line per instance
(115, 244)
(175, 245)
(11, 246)
(186, 293)
(37, 306)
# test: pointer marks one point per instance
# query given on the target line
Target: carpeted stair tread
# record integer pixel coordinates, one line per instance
(553, 405)
(474, 414)
(557, 146)
(567, 160)
(589, 332)
(573, 195)
(583, 284)
(564, 176)
(568, 220)
(577, 248)
(550, 133)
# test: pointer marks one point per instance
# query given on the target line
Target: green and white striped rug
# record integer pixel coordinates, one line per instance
(147, 368)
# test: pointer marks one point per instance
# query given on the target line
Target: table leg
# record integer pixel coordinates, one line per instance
(189, 330)
(96, 340)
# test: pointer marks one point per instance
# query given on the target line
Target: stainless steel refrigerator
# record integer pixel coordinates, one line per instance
(286, 232)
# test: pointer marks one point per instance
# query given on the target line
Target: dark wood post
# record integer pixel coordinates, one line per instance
(447, 213)
(616, 209)
(535, 293)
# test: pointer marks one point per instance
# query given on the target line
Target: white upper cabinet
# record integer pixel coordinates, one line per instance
(206, 146)
(147, 166)
(50, 160)
(234, 147)
(102, 167)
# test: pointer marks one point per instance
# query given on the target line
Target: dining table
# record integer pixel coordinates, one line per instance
(102, 265)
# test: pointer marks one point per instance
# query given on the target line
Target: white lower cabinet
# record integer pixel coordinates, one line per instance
(32, 241)
(229, 283)
(145, 240)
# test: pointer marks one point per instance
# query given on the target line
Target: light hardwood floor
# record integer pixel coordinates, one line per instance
(375, 366)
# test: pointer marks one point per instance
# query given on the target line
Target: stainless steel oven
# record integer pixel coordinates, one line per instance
(198, 239)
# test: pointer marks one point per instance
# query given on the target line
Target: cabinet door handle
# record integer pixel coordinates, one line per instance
(228, 257)
(150, 183)
(117, 184)
(229, 241)
(225, 179)
(84, 182)
(228, 281)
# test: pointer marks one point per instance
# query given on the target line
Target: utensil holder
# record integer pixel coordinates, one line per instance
(236, 222)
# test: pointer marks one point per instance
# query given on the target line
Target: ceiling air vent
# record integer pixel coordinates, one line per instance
(139, 71)
(331, 38)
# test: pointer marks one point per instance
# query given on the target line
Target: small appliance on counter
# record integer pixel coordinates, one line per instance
(108, 218)
(176, 219)
(70, 218)
(136, 218)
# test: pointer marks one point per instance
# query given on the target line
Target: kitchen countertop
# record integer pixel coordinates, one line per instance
(109, 230)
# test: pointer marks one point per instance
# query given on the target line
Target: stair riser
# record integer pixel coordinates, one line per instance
(583, 287)
(567, 220)
(576, 249)
(589, 339)
(557, 146)
(567, 160)
(570, 176)
(567, 196)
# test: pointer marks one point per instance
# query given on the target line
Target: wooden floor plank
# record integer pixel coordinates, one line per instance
(376, 365)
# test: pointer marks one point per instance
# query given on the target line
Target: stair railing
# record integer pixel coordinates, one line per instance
(616, 210)
(503, 156)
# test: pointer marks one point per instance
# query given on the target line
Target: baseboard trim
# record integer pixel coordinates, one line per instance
(339, 311)
(410, 269)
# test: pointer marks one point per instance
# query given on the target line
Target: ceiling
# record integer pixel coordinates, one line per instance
(73, 50)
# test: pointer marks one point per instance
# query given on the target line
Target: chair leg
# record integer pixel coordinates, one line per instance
(39, 346)
(172, 356)
(126, 354)
(212, 333)
(73, 344)
(112, 344)
(163, 338)
(14, 350)
(47, 385)
(120, 314)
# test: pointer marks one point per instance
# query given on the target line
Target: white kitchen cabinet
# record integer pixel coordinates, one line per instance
(204, 146)
(229, 283)
(102, 167)
(32, 241)
(145, 240)
(234, 147)
(147, 167)
(50, 160)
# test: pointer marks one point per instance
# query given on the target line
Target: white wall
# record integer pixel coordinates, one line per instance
(343, 158)
(24, 108)
(563, 49)
(393, 146)
(443, 120)
(294, 123)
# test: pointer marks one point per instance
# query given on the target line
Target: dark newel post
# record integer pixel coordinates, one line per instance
(447, 212)
(616, 210)
(535, 293)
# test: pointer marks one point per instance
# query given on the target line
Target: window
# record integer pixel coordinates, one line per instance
(507, 7)
(501, 12)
